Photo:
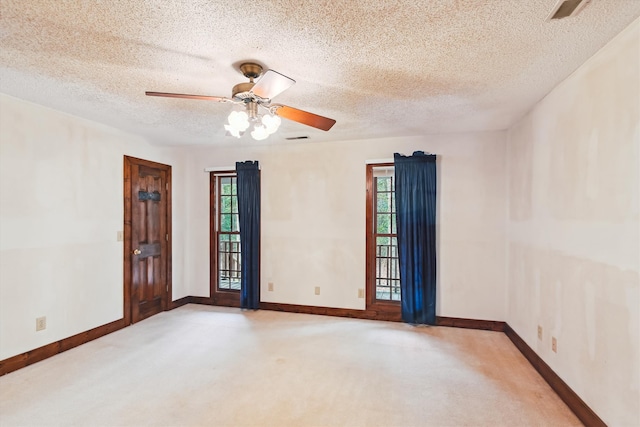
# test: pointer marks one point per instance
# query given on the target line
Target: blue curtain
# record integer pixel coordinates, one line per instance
(249, 216)
(416, 228)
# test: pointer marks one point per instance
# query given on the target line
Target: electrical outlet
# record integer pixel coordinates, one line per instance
(270, 287)
(540, 332)
(317, 290)
(41, 323)
(360, 293)
(554, 344)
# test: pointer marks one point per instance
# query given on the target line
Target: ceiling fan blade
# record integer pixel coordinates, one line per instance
(271, 84)
(304, 117)
(182, 95)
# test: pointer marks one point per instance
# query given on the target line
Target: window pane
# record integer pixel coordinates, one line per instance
(387, 272)
(235, 223)
(225, 185)
(225, 204)
(383, 241)
(229, 262)
(384, 203)
(383, 183)
(395, 291)
(225, 222)
(383, 224)
(393, 199)
(234, 204)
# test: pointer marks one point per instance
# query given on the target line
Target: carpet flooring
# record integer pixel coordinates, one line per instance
(212, 366)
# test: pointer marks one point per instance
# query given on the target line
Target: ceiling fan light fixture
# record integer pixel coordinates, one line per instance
(233, 131)
(259, 133)
(238, 120)
(263, 125)
(271, 123)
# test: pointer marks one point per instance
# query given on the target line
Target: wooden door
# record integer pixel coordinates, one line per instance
(147, 236)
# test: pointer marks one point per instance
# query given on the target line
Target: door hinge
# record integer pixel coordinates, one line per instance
(166, 186)
(166, 236)
(167, 288)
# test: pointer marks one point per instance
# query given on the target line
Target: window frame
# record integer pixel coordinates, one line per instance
(234, 219)
(219, 296)
(372, 303)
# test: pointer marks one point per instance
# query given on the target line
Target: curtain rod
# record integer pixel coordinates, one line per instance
(390, 160)
(374, 161)
(222, 169)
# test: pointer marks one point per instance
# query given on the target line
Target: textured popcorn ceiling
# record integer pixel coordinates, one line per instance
(380, 68)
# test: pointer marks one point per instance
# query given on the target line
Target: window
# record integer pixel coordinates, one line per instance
(383, 274)
(225, 239)
(228, 234)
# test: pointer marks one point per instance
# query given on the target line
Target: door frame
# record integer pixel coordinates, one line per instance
(127, 247)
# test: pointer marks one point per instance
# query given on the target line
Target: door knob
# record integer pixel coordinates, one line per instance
(137, 251)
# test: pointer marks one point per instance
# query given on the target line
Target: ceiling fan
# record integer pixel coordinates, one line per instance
(259, 94)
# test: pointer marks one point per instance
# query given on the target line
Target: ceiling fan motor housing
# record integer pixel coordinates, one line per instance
(241, 91)
(251, 70)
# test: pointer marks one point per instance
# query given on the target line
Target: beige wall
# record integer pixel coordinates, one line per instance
(574, 229)
(61, 208)
(313, 219)
(60, 211)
